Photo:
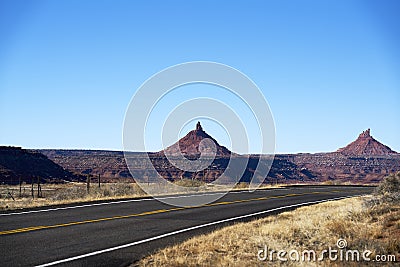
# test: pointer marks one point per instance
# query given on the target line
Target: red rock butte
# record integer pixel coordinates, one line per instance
(189, 144)
(365, 144)
(363, 161)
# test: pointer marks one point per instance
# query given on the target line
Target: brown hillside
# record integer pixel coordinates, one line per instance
(17, 163)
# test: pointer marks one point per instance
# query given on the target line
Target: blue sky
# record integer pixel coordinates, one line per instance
(328, 69)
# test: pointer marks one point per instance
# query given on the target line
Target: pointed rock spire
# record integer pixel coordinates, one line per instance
(198, 127)
(189, 144)
(366, 133)
(365, 144)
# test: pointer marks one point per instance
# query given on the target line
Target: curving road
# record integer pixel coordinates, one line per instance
(121, 232)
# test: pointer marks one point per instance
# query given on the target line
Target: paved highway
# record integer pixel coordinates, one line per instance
(121, 232)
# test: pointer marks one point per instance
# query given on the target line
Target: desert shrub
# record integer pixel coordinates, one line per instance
(138, 190)
(106, 190)
(386, 193)
(328, 182)
(242, 185)
(69, 193)
(122, 189)
(189, 183)
(389, 185)
(119, 189)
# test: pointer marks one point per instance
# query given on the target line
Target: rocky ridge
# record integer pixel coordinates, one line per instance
(363, 161)
(17, 164)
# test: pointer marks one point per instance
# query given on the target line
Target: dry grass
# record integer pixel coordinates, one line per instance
(362, 224)
(58, 194)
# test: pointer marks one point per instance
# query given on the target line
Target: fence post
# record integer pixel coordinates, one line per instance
(88, 183)
(39, 188)
(99, 180)
(10, 194)
(20, 184)
(32, 192)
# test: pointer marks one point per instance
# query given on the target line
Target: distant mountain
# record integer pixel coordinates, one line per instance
(365, 144)
(363, 161)
(189, 145)
(109, 164)
(17, 163)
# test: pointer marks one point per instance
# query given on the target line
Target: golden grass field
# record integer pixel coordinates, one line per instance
(362, 221)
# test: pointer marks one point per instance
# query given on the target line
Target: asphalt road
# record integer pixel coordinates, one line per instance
(122, 232)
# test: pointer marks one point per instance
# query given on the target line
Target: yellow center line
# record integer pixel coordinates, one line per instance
(34, 228)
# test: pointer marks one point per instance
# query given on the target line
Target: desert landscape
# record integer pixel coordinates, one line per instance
(63, 175)
(40, 178)
(199, 133)
(363, 161)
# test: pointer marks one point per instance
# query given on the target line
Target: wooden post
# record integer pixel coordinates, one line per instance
(99, 180)
(39, 188)
(32, 192)
(88, 183)
(20, 184)
(10, 194)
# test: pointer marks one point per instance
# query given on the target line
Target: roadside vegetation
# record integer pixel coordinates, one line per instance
(365, 223)
(56, 194)
(14, 197)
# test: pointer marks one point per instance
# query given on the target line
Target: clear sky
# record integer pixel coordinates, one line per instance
(329, 69)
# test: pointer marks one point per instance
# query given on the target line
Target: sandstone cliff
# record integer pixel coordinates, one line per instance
(363, 161)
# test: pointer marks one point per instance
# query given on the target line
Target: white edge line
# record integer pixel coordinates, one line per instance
(185, 230)
(107, 203)
(119, 201)
(127, 201)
